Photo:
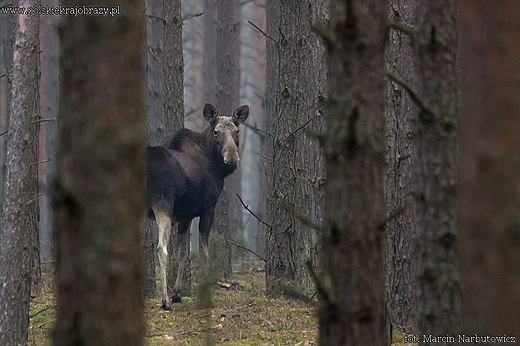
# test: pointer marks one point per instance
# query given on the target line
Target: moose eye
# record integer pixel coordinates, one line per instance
(215, 133)
(237, 131)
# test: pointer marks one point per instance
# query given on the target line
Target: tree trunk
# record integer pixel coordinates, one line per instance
(49, 129)
(16, 226)
(252, 87)
(351, 310)
(209, 59)
(173, 68)
(6, 59)
(289, 105)
(226, 69)
(98, 193)
(489, 167)
(438, 290)
(400, 251)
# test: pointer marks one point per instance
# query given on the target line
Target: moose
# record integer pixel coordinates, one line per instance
(185, 177)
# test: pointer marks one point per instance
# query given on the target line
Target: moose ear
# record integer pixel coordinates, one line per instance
(210, 112)
(240, 114)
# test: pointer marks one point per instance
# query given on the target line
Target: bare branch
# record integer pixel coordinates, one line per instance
(426, 112)
(300, 217)
(247, 249)
(401, 27)
(156, 17)
(252, 213)
(40, 162)
(43, 120)
(261, 31)
(193, 15)
(257, 130)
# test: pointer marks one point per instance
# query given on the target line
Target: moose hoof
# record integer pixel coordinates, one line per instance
(165, 306)
(176, 298)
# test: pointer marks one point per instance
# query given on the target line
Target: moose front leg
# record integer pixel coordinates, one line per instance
(184, 230)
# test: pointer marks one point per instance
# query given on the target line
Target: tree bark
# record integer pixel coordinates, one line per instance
(98, 194)
(401, 281)
(438, 290)
(489, 167)
(226, 69)
(351, 310)
(6, 58)
(16, 219)
(289, 101)
(173, 67)
(49, 102)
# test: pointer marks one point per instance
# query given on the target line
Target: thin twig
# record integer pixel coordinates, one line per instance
(189, 16)
(32, 200)
(401, 27)
(318, 283)
(300, 217)
(430, 114)
(156, 17)
(159, 59)
(261, 31)
(40, 162)
(43, 120)
(42, 310)
(257, 130)
(252, 213)
(245, 248)
(4, 133)
(302, 126)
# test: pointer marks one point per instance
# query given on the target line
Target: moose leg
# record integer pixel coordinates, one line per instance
(184, 230)
(206, 221)
(164, 226)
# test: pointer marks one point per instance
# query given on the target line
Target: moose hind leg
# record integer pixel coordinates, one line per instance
(164, 230)
(184, 230)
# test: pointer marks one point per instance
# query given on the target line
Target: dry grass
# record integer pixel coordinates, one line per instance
(237, 317)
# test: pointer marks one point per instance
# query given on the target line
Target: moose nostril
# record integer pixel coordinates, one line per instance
(231, 161)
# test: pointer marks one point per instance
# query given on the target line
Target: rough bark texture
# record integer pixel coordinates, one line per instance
(155, 48)
(438, 290)
(351, 310)
(400, 162)
(6, 59)
(489, 167)
(16, 226)
(173, 67)
(226, 69)
(289, 113)
(49, 102)
(98, 194)
(209, 67)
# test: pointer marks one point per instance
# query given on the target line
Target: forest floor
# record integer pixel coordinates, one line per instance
(240, 315)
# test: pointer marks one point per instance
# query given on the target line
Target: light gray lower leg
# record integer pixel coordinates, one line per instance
(164, 228)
